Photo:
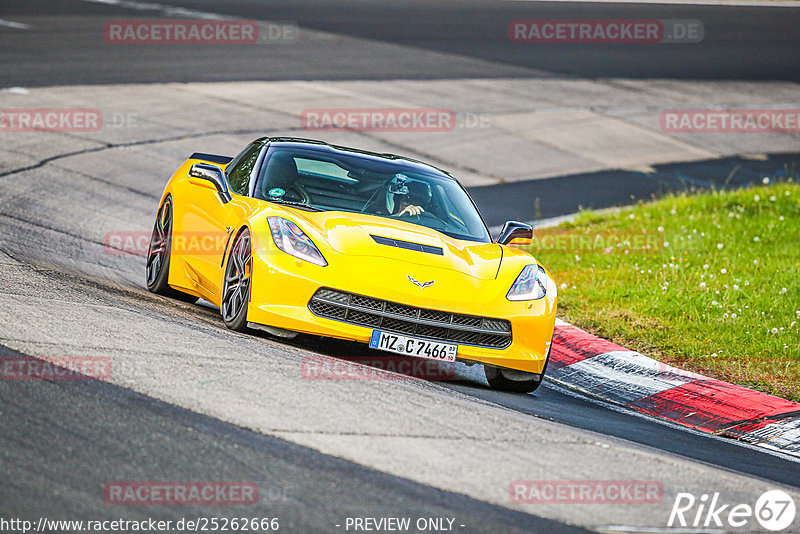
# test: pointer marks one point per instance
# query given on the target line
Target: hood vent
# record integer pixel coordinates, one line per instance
(408, 245)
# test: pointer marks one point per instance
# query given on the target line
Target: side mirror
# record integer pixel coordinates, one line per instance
(213, 174)
(513, 230)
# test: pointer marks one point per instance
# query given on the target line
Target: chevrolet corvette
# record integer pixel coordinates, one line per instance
(300, 236)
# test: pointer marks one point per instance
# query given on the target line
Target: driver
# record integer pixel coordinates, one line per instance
(407, 197)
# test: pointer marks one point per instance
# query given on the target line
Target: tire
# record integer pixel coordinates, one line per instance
(158, 256)
(515, 381)
(236, 285)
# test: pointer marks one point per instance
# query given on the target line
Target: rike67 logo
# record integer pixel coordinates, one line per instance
(774, 510)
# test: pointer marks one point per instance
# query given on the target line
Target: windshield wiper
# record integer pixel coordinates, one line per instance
(294, 204)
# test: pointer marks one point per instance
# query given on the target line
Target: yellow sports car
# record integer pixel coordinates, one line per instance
(294, 235)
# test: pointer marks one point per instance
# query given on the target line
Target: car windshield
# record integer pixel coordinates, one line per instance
(326, 179)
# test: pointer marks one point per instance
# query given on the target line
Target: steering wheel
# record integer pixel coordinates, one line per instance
(422, 216)
(430, 216)
(297, 190)
(301, 189)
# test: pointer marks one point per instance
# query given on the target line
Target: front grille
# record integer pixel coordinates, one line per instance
(404, 319)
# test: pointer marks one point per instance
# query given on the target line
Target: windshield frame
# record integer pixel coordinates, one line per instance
(329, 152)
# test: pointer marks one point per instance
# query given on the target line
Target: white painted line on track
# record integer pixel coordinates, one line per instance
(161, 8)
(15, 25)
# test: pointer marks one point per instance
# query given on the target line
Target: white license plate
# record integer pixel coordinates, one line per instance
(413, 346)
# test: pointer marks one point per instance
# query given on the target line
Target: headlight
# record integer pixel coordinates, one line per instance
(292, 240)
(530, 284)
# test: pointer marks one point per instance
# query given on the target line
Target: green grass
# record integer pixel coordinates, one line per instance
(709, 282)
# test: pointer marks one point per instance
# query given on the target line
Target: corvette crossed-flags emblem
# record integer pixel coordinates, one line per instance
(422, 285)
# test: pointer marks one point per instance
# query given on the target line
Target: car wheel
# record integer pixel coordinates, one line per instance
(158, 256)
(515, 381)
(236, 287)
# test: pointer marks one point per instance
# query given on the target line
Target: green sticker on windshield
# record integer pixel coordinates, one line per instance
(276, 192)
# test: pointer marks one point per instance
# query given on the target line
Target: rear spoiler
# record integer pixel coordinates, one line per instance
(213, 158)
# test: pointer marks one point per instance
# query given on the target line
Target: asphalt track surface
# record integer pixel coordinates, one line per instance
(62, 441)
(451, 39)
(133, 437)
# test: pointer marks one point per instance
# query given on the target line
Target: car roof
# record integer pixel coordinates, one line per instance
(322, 146)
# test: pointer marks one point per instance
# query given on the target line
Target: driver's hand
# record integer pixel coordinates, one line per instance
(411, 210)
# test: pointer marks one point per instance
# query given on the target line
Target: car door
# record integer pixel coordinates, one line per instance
(209, 223)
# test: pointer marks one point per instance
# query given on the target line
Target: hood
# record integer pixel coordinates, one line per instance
(364, 235)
